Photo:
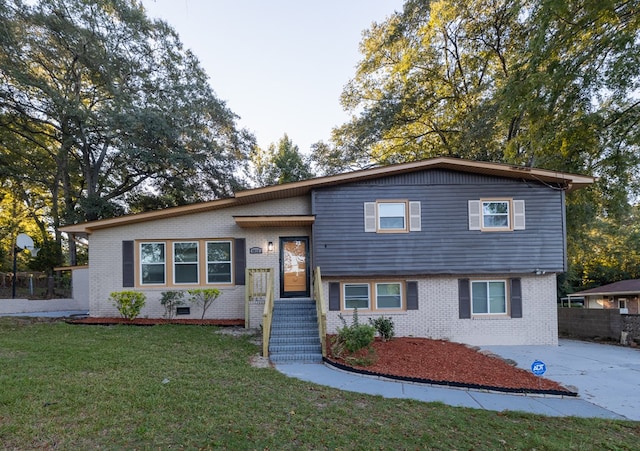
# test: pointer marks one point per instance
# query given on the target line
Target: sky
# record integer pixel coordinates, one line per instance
(280, 65)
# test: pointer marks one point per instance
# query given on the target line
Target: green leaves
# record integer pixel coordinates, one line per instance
(128, 303)
(281, 164)
(548, 83)
(112, 105)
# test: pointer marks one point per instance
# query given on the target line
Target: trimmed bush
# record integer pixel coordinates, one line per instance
(384, 327)
(128, 303)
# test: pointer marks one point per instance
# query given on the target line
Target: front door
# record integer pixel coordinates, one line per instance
(294, 268)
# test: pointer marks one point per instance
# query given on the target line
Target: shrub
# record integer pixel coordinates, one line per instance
(384, 327)
(350, 339)
(203, 297)
(170, 300)
(128, 303)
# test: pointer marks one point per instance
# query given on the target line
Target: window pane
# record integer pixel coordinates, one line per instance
(152, 252)
(356, 296)
(391, 209)
(185, 252)
(186, 273)
(152, 260)
(392, 223)
(495, 214)
(391, 215)
(494, 208)
(219, 273)
(497, 297)
(479, 297)
(153, 273)
(219, 251)
(389, 295)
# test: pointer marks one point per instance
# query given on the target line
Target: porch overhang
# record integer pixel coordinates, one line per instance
(247, 222)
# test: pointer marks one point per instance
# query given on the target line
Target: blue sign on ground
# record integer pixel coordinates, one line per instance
(538, 368)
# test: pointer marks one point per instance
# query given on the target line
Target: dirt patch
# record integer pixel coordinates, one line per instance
(444, 362)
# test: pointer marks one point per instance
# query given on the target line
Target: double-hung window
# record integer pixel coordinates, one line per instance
(489, 297)
(152, 263)
(219, 262)
(496, 214)
(192, 262)
(356, 296)
(185, 262)
(392, 216)
(386, 295)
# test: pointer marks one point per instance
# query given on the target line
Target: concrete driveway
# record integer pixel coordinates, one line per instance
(603, 374)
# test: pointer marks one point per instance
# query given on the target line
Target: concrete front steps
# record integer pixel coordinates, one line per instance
(294, 332)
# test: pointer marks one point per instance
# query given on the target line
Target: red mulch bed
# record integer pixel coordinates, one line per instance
(454, 364)
(155, 321)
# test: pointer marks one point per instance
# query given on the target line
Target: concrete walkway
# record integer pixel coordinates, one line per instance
(597, 372)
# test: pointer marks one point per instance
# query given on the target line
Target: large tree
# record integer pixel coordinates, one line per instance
(552, 83)
(548, 83)
(108, 105)
(281, 163)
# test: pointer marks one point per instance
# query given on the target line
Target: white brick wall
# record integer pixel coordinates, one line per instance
(105, 254)
(437, 316)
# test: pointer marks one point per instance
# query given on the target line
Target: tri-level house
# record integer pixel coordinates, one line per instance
(448, 248)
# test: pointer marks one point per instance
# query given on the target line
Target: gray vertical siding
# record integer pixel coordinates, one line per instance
(444, 245)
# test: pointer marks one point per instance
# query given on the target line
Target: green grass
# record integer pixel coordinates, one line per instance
(83, 387)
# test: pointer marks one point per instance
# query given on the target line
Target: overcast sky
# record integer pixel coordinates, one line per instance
(279, 64)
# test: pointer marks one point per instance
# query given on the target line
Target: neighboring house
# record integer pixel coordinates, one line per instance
(448, 248)
(623, 295)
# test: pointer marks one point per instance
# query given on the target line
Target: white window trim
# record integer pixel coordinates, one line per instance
(516, 215)
(412, 216)
(175, 263)
(141, 263)
(508, 214)
(230, 262)
(372, 292)
(402, 301)
(344, 295)
(506, 298)
(169, 263)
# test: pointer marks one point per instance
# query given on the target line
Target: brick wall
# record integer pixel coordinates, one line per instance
(105, 254)
(437, 316)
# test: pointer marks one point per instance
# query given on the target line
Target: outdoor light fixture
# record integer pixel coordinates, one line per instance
(270, 246)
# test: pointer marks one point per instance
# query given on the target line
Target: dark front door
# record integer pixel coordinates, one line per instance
(294, 268)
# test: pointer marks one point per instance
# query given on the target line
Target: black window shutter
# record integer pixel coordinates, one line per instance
(412, 295)
(516, 298)
(464, 299)
(240, 263)
(128, 270)
(334, 296)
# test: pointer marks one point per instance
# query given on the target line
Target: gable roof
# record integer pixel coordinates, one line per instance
(631, 286)
(568, 181)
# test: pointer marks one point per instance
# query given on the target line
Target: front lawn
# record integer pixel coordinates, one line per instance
(80, 387)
